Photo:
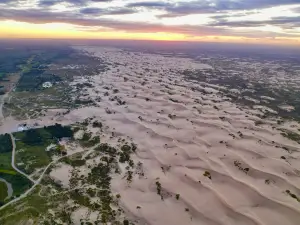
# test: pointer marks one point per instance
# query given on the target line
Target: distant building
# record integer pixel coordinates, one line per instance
(47, 85)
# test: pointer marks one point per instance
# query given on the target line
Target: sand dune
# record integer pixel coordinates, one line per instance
(192, 140)
(181, 133)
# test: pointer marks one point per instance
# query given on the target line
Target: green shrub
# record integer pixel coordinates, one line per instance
(207, 174)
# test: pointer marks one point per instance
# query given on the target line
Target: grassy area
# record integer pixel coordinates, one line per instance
(5, 143)
(11, 172)
(95, 185)
(31, 146)
(19, 183)
(28, 158)
(3, 191)
(35, 206)
(5, 161)
(5, 155)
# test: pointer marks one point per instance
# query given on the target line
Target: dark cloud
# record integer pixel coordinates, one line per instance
(225, 16)
(211, 6)
(6, 1)
(284, 22)
(46, 3)
(91, 11)
(150, 4)
(54, 2)
(112, 11)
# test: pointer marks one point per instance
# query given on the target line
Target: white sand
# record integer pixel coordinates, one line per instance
(287, 108)
(62, 174)
(189, 144)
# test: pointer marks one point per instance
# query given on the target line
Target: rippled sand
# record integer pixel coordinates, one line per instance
(183, 129)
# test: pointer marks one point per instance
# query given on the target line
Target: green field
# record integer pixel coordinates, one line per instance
(5, 143)
(5, 161)
(5, 155)
(11, 172)
(32, 157)
(3, 191)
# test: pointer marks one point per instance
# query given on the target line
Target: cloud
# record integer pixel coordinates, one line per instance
(89, 18)
(284, 22)
(12, 2)
(47, 3)
(109, 11)
(159, 4)
(40, 17)
(183, 8)
(91, 11)
(5, 1)
(296, 10)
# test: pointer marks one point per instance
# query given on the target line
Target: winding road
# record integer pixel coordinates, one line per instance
(13, 141)
(35, 182)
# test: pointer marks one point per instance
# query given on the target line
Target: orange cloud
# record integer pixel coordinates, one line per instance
(13, 29)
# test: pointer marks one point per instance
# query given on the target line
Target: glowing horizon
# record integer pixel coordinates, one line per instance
(242, 22)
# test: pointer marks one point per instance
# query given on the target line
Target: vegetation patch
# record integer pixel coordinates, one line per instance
(292, 195)
(291, 135)
(239, 165)
(5, 162)
(11, 172)
(3, 192)
(5, 143)
(88, 141)
(31, 146)
(19, 183)
(207, 174)
(158, 188)
(6, 154)
(74, 162)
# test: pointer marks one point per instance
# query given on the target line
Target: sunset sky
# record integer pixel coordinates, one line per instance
(250, 21)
